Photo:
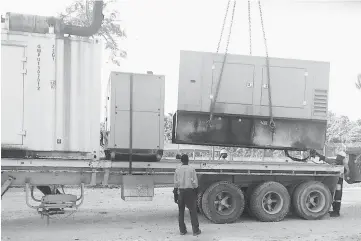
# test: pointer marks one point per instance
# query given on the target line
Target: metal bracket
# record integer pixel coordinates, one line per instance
(93, 180)
(106, 177)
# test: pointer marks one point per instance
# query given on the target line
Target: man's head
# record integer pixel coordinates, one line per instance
(185, 159)
(223, 153)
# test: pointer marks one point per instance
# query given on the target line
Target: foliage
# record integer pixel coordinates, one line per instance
(358, 82)
(341, 130)
(168, 122)
(80, 13)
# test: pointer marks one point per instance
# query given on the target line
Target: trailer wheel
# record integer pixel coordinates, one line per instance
(270, 202)
(291, 190)
(223, 202)
(248, 195)
(312, 200)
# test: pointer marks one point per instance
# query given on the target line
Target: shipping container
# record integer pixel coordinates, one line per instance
(299, 94)
(50, 95)
(135, 115)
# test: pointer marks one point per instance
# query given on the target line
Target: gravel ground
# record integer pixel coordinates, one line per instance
(104, 216)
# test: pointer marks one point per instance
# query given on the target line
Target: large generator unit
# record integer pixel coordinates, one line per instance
(134, 117)
(241, 106)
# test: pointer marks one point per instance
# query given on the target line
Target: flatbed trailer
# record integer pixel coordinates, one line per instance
(267, 190)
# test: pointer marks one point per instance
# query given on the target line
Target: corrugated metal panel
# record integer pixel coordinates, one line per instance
(61, 93)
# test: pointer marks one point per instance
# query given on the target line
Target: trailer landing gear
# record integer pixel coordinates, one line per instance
(53, 204)
(6, 185)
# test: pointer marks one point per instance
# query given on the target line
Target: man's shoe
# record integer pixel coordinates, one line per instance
(334, 214)
(197, 233)
(183, 233)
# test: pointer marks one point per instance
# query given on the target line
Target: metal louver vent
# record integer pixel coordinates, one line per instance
(320, 102)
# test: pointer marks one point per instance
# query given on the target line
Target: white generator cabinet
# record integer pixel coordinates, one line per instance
(299, 88)
(50, 102)
(135, 116)
(299, 94)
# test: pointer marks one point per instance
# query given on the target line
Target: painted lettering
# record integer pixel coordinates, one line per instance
(38, 50)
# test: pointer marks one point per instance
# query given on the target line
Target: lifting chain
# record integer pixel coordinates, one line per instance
(272, 124)
(224, 23)
(250, 27)
(214, 97)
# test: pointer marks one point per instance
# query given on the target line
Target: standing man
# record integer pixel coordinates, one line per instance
(185, 194)
(340, 160)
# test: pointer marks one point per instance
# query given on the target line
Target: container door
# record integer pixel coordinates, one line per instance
(287, 86)
(146, 130)
(147, 93)
(120, 110)
(12, 94)
(236, 86)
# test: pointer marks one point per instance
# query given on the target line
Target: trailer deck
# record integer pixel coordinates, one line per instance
(53, 171)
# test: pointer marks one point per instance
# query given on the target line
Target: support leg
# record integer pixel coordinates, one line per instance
(6, 185)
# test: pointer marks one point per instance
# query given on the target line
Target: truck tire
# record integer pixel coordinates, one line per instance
(223, 202)
(312, 200)
(248, 195)
(291, 189)
(270, 202)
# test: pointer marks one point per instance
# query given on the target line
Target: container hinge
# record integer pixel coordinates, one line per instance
(22, 133)
(24, 71)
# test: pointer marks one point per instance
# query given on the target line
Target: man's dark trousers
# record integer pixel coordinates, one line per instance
(188, 198)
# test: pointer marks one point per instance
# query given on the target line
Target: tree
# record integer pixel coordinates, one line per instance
(358, 82)
(168, 125)
(80, 13)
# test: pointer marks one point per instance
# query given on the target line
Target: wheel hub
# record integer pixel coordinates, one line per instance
(315, 201)
(272, 203)
(223, 203)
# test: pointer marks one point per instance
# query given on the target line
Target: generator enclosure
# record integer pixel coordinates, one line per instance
(299, 92)
(50, 103)
(135, 116)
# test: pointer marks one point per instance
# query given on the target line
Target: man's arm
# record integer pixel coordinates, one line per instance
(327, 160)
(347, 168)
(176, 185)
(195, 181)
(176, 182)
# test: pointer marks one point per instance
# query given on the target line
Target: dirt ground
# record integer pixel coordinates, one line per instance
(104, 216)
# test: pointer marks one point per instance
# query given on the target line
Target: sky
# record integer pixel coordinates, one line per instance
(157, 30)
